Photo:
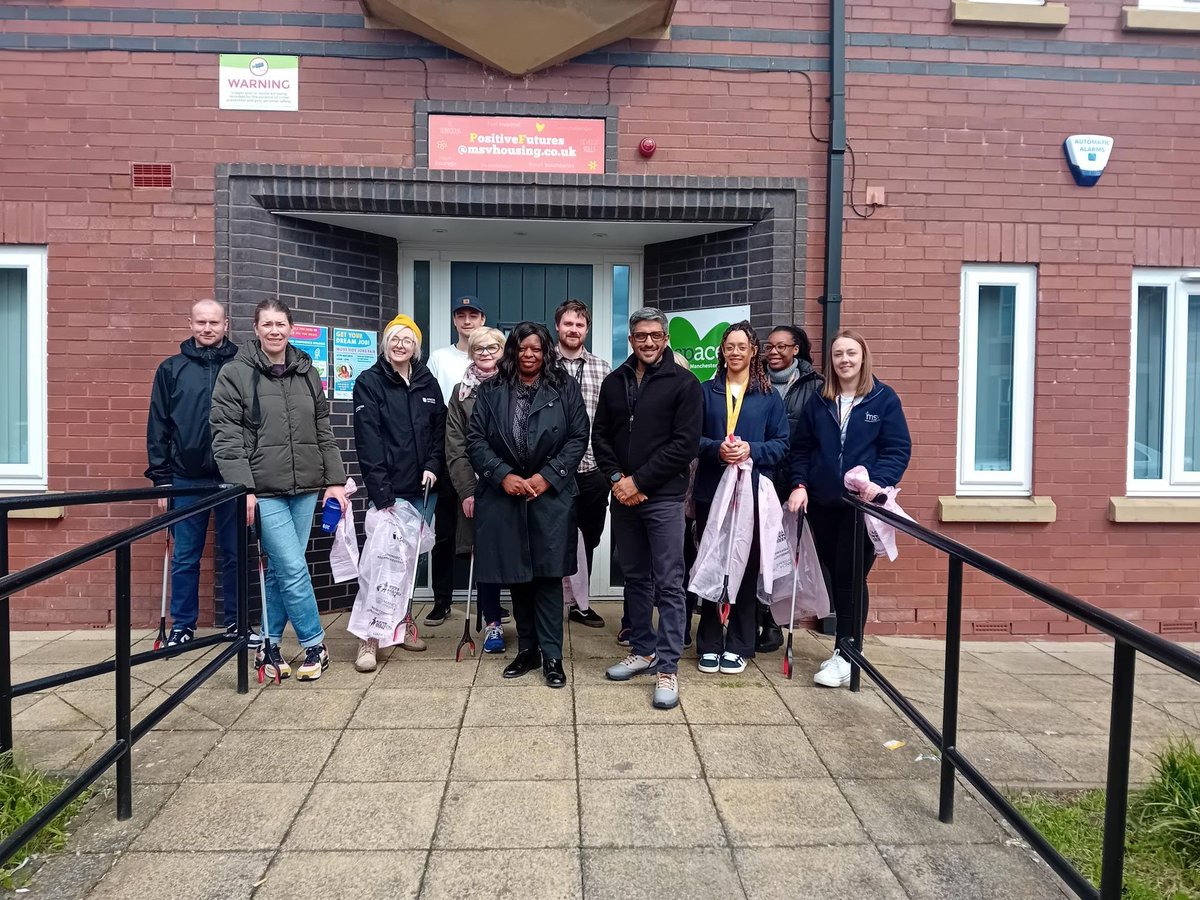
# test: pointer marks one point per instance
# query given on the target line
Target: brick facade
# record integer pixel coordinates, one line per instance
(960, 125)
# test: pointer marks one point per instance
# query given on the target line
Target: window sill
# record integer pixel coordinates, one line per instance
(46, 512)
(1134, 18)
(973, 12)
(1036, 510)
(1151, 510)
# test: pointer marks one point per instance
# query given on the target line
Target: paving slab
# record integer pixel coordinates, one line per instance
(550, 874)
(955, 871)
(905, 811)
(249, 756)
(756, 751)
(211, 876)
(1085, 757)
(648, 874)
(54, 751)
(817, 873)
(168, 757)
(299, 710)
(785, 812)
(411, 670)
(388, 754)
(848, 752)
(813, 705)
(363, 874)
(649, 813)
(733, 703)
(67, 876)
(97, 829)
(1042, 715)
(431, 707)
(206, 817)
(637, 751)
(53, 713)
(484, 815)
(613, 703)
(1010, 759)
(378, 816)
(523, 753)
(517, 704)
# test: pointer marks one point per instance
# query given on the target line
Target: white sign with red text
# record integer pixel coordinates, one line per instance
(260, 82)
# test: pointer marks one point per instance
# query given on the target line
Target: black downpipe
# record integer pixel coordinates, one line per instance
(835, 181)
(835, 186)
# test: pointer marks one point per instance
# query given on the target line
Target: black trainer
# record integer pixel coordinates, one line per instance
(586, 617)
(770, 639)
(231, 635)
(179, 635)
(439, 614)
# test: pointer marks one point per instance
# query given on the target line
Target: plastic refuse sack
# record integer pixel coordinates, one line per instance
(812, 597)
(575, 587)
(386, 572)
(882, 535)
(343, 555)
(734, 500)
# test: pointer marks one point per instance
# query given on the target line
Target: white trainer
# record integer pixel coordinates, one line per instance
(834, 672)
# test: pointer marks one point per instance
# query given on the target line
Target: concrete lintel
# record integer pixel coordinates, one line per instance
(980, 12)
(1159, 510)
(1037, 510)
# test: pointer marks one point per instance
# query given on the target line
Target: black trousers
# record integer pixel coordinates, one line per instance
(742, 634)
(591, 505)
(538, 611)
(833, 533)
(445, 534)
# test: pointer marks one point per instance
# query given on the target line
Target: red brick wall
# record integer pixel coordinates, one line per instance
(972, 168)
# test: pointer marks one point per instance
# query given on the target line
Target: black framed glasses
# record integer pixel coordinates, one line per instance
(767, 348)
(648, 337)
(488, 349)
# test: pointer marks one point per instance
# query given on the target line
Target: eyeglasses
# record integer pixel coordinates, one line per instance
(403, 342)
(488, 349)
(648, 337)
(769, 347)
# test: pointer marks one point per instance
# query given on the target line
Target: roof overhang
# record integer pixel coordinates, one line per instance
(522, 36)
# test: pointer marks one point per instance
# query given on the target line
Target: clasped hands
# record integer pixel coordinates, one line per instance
(530, 488)
(626, 491)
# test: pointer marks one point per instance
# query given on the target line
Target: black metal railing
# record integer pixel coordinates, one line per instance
(127, 733)
(1130, 640)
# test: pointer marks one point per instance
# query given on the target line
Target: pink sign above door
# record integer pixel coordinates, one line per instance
(516, 144)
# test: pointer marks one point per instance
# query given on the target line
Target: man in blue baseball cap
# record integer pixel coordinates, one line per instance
(448, 365)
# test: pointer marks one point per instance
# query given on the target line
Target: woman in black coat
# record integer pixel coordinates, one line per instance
(528, 432)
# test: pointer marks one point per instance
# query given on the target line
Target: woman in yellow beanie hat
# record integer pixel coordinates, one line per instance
(400, 435)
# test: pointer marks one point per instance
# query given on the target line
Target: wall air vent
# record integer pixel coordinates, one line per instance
(1177, 627)
(992, 628)
(153, 175)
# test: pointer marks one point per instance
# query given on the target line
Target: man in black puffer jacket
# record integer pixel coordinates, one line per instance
(179, 450)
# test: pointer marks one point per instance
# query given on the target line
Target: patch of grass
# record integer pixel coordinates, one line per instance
(1162, 858)
(23, 791)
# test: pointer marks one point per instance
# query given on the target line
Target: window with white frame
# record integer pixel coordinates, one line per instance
(22, 368)
(1169, 4)
(995, 390)
(1164, 414)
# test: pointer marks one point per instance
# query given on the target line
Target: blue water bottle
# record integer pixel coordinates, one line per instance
(331, 514)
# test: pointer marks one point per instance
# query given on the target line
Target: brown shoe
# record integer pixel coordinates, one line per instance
(412, 641)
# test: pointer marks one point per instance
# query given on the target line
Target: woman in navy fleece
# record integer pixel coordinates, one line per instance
(856, 420)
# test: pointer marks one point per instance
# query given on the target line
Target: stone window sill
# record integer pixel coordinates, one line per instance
(1134, 18)
(46, 512)
(1037, 510)
(974, 12)
(1154, 510)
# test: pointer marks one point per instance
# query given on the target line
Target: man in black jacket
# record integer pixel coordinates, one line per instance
(179, 450)
(645, 436)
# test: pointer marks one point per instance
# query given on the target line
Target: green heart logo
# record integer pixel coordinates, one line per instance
(700, 352)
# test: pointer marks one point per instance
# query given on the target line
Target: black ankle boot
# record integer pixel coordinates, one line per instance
(552, 671)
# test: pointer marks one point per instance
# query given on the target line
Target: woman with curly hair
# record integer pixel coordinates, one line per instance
(744, 418)
(527, 433)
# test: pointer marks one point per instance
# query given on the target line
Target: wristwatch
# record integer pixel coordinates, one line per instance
(614, 477)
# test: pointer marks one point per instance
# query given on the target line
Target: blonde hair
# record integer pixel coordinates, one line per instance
(866, 379)
(481, 336)
(682, 361)
(398, 326)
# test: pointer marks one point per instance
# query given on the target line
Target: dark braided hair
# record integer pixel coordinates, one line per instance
(758, 377)
(552, 367)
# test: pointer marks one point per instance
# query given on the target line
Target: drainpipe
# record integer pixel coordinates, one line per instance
(835, 181)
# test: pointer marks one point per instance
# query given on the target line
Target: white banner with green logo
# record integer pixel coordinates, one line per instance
(696, 333)
(250, 81)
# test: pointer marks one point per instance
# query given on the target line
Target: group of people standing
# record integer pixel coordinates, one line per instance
(526, 442)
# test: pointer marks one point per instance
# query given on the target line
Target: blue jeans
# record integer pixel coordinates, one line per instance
(284, 524)
(189, 550)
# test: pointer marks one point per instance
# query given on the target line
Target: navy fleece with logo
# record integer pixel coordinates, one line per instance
(877, 438)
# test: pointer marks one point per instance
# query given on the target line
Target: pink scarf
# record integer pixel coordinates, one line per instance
(472, 378)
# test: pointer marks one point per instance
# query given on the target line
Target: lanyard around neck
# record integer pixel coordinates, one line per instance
(733, 405)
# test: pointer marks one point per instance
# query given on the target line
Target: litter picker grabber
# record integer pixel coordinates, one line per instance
(723, 603)
(408, 621)
(787, 655)
(467, 640)
(161, 640)
(264, 651)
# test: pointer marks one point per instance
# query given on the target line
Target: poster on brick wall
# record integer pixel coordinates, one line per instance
(259, 82)
(516, 144)
(353, 353)
(314, 340)
(696, 333)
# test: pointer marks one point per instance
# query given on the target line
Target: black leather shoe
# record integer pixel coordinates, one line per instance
(770, 639)
(553, 671)
(524, 662)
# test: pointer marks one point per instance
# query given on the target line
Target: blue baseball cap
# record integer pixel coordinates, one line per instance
(467, 301)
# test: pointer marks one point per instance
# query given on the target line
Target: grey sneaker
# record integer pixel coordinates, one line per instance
(666, 691)
(631, 665)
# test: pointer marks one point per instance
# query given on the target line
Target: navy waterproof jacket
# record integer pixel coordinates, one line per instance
(762, 424)
(877, 438)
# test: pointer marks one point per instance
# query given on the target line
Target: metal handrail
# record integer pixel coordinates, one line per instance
(127, 733)
(1130, 639)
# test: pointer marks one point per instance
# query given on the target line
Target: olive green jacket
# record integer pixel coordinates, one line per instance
(271, 433)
